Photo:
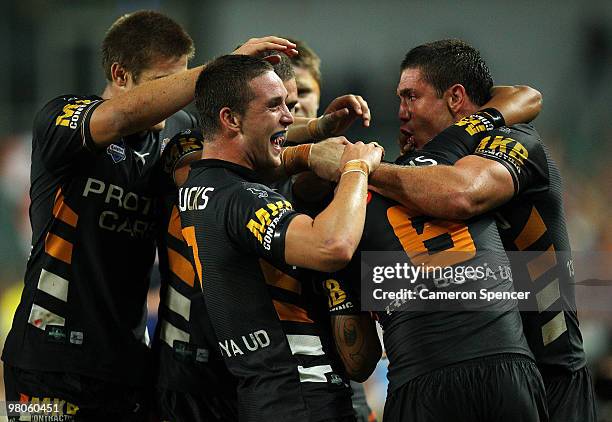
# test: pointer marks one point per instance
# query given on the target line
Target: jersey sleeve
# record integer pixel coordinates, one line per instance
(520, 150)
(458, 140)
(343, 289)
(258, 219)
(61, 129)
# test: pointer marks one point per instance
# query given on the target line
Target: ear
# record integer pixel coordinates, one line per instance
(456, 98)
(120, 75)
(229, 120)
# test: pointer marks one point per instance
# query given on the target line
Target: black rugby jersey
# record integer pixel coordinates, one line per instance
(258, 305)
(83, 308)
(437, 334)
(534, 220)
(185, 348)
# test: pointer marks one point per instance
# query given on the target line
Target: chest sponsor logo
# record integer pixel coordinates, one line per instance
(116, 151)
(128, 212)
(245, 344)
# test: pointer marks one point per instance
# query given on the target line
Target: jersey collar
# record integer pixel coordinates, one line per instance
(242, 171)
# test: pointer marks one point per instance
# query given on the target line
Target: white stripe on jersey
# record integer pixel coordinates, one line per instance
(169, 333)
(53, 284)
(314, 373)
(305, 345)
(178, 303)
(41, 317)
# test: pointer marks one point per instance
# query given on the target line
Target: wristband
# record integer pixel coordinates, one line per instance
(356, 166)
(313, 129)
(493, 117)
(296, 159)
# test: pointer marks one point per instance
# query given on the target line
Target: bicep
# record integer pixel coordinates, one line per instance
(488, 182)
(300, 243)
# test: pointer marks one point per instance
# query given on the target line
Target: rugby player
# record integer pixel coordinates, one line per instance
(193, 383)
(245, 236)
(508, 170)
(388, 227)
(78, 336)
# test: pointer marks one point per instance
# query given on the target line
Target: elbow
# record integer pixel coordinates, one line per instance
(363, 372)
(462, 206)
(534, 96)
(338, 253)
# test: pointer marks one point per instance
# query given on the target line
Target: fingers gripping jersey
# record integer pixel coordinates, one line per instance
(534, 220)
(92, 212)
(236, 229)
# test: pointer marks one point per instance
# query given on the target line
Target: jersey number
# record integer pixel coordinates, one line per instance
(424, 241)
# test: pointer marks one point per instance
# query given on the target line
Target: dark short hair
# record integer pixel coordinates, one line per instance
(224, 82)
(307, 59)
(283, 69)
(136, 39)
(447, 62)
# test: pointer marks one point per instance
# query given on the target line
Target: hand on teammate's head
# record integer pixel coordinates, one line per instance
(255, 46)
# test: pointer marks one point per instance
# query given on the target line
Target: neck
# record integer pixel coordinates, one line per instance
(226, 149)
(109, 91)
(465, 111)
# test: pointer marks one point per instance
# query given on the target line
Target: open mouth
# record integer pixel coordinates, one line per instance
(278, 139)
(408, 136)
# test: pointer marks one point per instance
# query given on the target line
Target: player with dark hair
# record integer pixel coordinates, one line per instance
(510, 170)
(247, 242)
(78, 336)
(422, 365)
(193, 383)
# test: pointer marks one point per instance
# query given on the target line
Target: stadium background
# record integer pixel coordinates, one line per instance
(562, 48)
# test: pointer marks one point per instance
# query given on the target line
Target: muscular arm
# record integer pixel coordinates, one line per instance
(357, 343)
(153, 101)
(472, 186)
(142, 107)
(518, 103)
(328, 242)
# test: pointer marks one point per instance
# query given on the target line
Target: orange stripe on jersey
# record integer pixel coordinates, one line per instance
(58, 248)
(190, 237)
(63, 212)
(288, 312)
(276, 277)
(533, 230)
(542, 263)
(174, 225)
(180, 266)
